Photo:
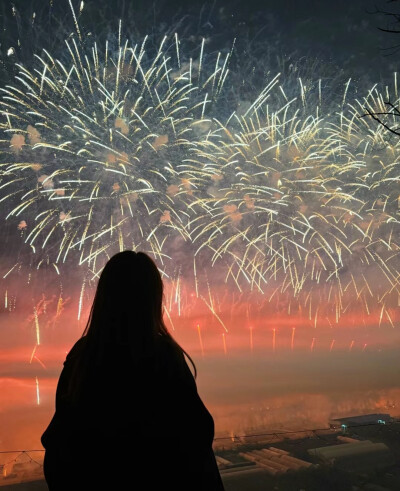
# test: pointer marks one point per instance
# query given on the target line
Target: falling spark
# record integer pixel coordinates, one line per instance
(200, 340)
(37, 392)
(169, 318)
(292, 340)
(36, 326)
(224, 343)
(351, 345)
(195, 277)
(212, 310)
(75, 20)
(59, 306)
(273, 339)
(331, 346)
(5, 276)
(40, 361)
(33, 353)
(81, 301)
(312, 344)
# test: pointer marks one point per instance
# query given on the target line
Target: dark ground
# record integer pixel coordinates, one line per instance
(321, 477)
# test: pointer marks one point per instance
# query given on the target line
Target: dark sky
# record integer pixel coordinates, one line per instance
(341, 32)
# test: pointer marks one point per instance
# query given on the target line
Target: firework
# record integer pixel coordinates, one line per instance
(135, 147)
(305, 203)
(93, 147)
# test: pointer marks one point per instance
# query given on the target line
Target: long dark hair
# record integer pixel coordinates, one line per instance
(127, 310)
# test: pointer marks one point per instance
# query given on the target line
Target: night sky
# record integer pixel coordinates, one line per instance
(339, 33)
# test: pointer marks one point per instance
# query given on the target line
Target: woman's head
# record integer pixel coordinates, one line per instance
(128, 300)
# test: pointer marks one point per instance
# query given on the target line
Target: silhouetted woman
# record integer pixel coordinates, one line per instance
(127, 406)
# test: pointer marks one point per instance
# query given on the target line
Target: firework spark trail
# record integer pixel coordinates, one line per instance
(212, 310)
(200, 340)
(273, 340)
(224, 343)
(37, 327)
(37, 391)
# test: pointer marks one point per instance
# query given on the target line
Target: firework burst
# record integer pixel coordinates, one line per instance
(304, 203)
(93, 147)
(131, 147)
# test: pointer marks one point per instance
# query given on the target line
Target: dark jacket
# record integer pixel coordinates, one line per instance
(135, 422)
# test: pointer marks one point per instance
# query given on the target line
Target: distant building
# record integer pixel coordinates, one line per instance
(361, 420)
(275, 460)
(362, 456)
